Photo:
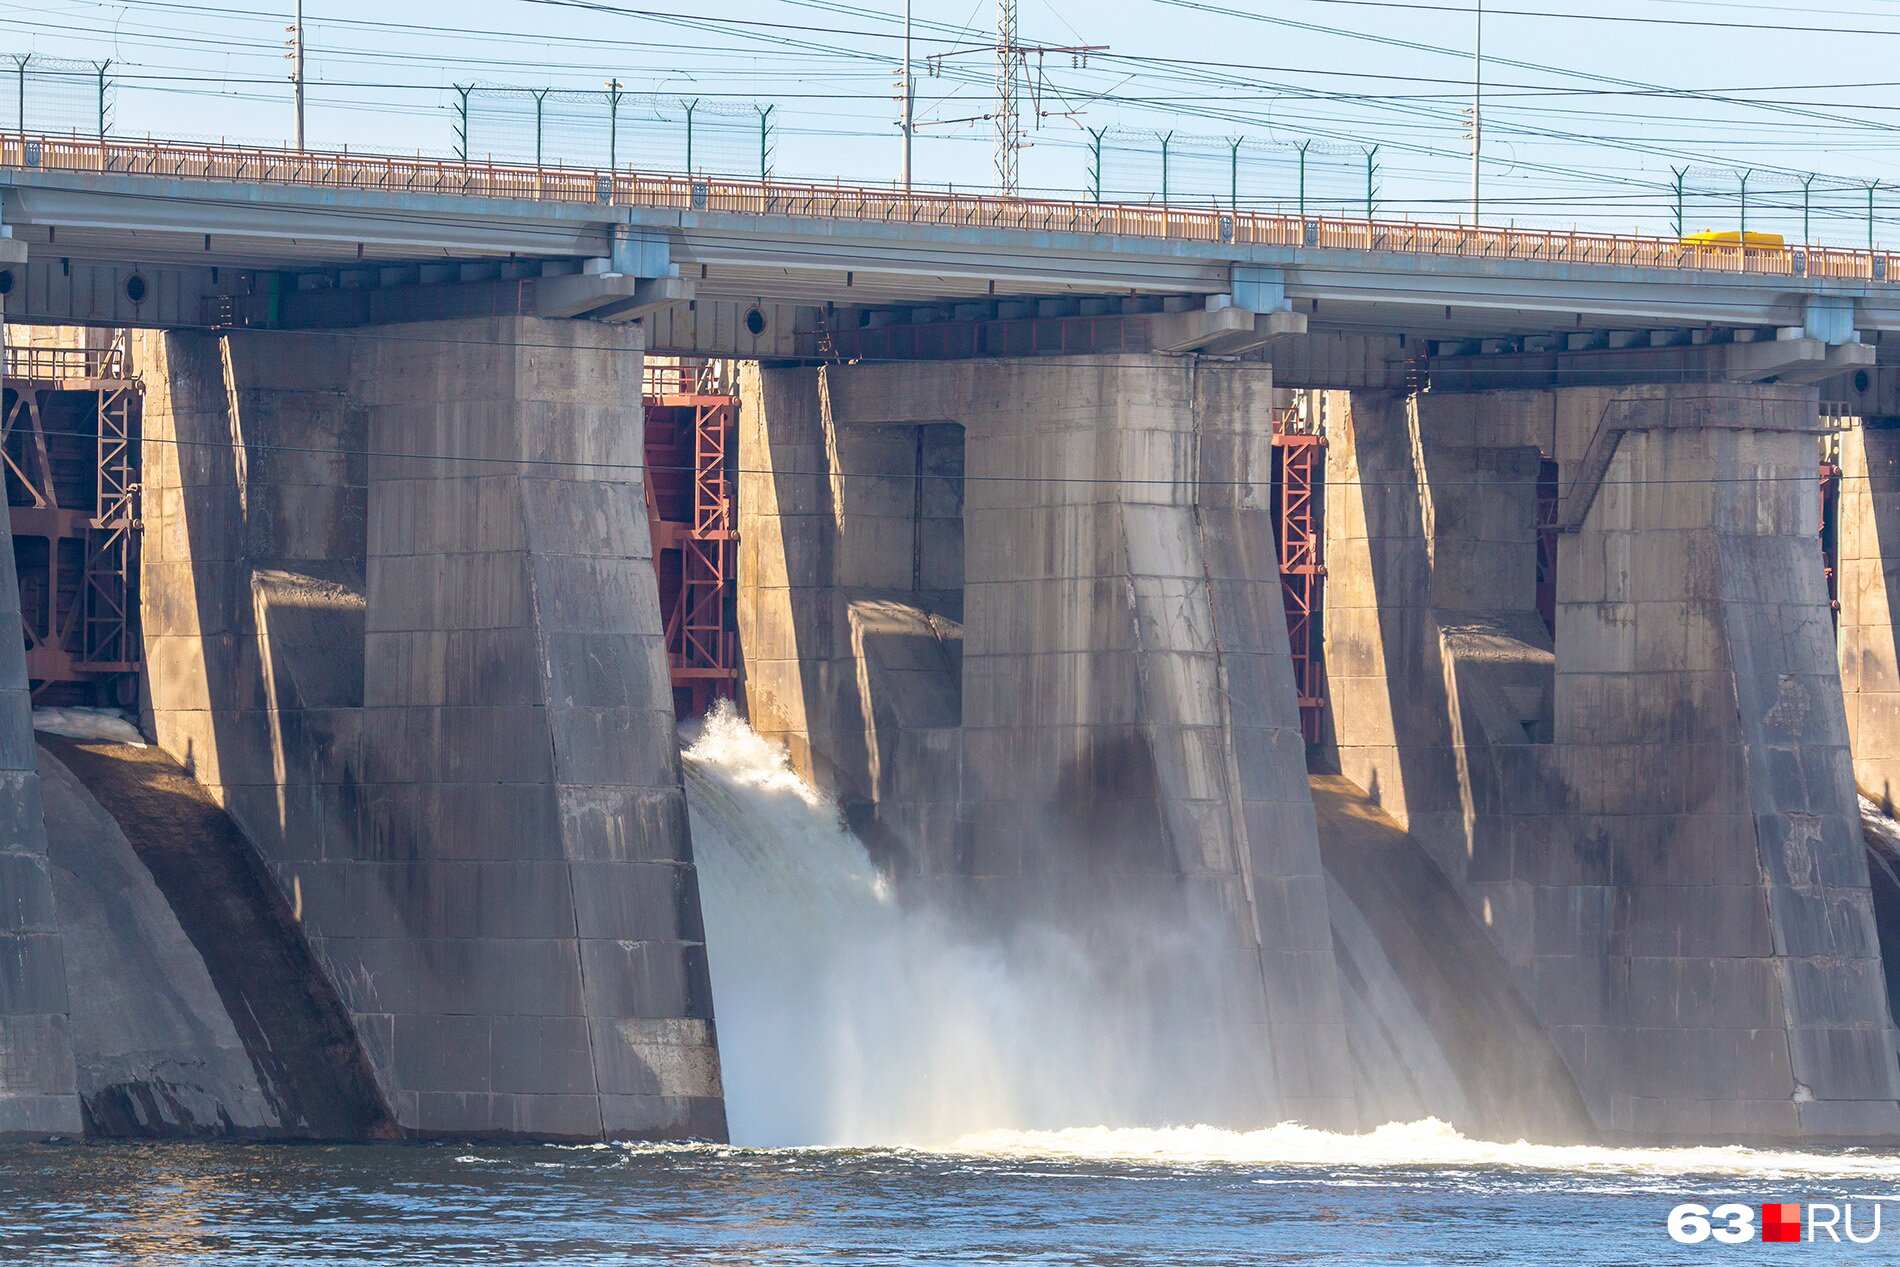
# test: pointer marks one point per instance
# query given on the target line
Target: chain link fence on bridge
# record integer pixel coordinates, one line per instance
(55, 95)
(647, 131)
(1179, 169)
(614, 129)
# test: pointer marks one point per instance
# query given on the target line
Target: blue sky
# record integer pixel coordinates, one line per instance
(1586, 120)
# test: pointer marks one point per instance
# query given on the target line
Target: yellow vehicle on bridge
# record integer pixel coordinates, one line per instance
(1729, 237)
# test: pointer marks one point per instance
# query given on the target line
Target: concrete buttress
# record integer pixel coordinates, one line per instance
(401, 620)
(1657, 826)
(38, 1091)
(1123, 727)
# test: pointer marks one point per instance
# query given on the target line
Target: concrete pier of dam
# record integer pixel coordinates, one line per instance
(1023, 620)
(1539, 815)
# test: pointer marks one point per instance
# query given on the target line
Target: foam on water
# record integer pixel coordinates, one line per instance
(848, 1017)
(102, 725)
(1429, 1143)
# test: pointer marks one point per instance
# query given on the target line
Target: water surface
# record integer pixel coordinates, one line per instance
(426, 1205)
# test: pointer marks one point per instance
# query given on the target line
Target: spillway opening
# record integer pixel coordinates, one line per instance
(851, 1011)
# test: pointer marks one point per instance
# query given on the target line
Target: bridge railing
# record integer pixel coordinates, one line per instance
(393, 174)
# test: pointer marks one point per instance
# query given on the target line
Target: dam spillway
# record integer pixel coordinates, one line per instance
(1022, 622)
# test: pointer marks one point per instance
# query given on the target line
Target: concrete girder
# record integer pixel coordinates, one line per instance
(1792, 360)
(788, 258)
(1222, 329)
(608, 296)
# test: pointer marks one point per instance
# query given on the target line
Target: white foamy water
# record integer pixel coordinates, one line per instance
(1429, 1143)
(106, 725)
(849, 1018)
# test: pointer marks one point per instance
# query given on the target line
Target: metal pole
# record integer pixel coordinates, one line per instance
(1371, 170)
(1303, 148)
(910, 99)
(1233, 174)
(1870, 216)
(1166, 139)
(1006, 136)
(765, 148)
(461, 121)
(103, 67)
(1095, 164)
(21, 62)
(1744, 224)
(690, 106)
(613, 125)
(1807, 186)
(1681, 174)
(540, 95)
(1477, 112)
(296, 70)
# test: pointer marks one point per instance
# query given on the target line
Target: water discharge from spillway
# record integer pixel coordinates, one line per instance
(849, 1016)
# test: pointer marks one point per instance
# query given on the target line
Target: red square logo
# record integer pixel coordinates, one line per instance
(1781, 1222)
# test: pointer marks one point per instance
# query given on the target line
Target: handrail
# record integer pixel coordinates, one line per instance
(843, 202)
(26, 363)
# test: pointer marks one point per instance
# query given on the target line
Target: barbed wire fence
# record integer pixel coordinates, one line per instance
(647, 131)
(1234, 173)
(55, 95)
(1746, 200)
(614, 129)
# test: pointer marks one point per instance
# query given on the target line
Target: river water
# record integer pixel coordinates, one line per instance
(420, 1206)
(905, 1094)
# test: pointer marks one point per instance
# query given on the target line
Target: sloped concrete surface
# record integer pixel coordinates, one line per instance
(1438, 1028)
(198, 1011)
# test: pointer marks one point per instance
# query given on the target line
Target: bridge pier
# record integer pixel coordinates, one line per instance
(1657, 825)
(1126, 728)
(430, 683)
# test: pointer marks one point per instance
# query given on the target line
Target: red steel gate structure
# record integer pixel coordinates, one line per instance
(69, 420)
(1299, 477)
(691, 431)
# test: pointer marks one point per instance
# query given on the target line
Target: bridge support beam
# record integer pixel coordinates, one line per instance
(1675, 867)
(1127, 727)
(402, 622)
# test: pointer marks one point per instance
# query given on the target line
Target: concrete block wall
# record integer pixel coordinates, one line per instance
(1678, 877)
(1128, 719)
(39, 1098)
(432, 687)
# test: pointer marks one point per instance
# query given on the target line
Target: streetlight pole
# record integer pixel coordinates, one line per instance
(1477, 112)
(910, 98)
(296, 69)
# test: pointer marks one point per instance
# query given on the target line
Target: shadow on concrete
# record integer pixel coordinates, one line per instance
(1512, 1081)
(294, 1029)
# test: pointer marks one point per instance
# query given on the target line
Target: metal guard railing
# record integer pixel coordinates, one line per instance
(842, 202)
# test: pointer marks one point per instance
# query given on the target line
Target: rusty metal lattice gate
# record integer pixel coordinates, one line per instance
(691, 416)
(69, 426)
(1299, 476)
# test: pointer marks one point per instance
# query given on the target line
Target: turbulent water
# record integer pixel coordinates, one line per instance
(1410, 1195)
(847, 1016)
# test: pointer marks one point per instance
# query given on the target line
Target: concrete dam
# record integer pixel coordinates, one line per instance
(618, 664)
